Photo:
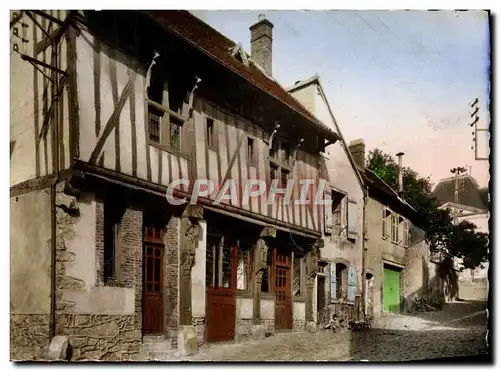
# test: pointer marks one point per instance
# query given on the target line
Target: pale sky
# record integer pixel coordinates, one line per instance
(401, 80)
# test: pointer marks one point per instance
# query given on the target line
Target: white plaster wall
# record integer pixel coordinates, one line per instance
(83, 243)
(30, 252)
(102, 300)
(341, 175)
(198, 274)
(22, 103)
(299, 311)
(244, 308)
(480, 220)
(267, 309)
(92, 299)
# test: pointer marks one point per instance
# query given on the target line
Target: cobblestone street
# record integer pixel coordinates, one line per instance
(458, 330)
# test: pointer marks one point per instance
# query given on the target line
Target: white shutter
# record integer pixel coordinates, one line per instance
(328, 212)
(352, 219)
(333, 281)
(351, 285)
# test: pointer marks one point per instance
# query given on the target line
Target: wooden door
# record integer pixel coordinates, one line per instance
(221, 290)
(391, 290)
(153, 281)
(321, 296)
(283, 291)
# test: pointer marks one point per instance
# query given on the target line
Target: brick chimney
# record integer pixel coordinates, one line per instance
(357, 149)
(261, 41)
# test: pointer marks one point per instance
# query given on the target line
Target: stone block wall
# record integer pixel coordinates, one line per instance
(171, 277)
(29, 336)
(97, 331)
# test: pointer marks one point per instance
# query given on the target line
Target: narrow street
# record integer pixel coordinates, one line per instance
(457, 330)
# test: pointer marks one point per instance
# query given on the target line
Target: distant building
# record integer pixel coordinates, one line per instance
(471, 204)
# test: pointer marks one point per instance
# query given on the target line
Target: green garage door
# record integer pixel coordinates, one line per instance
(391, 290)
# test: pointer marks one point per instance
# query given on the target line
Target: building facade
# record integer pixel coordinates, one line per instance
(339, 287)
(396, 256)
(469, 203)
(108, 109)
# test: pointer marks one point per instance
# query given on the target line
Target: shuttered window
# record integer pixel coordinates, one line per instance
(352, 219)
(333, 281)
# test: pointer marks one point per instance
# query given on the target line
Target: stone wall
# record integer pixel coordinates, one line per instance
(171, 278)
(101, 319)
(30, 255)
(29, 336)
(100, 337)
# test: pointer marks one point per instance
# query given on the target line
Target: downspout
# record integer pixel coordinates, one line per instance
(363, 252)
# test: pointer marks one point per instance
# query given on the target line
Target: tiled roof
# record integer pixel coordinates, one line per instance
(469, 193)
(201, 35)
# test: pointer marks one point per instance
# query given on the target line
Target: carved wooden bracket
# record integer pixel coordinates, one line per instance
(148, 73)
(268, 232)
(276, 127)
(295, 151)
(260, 256)
(191, 97)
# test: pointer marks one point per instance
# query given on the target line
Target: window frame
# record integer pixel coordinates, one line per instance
(251, 155)
(302, 280)
(112, 220)
(166, 117)
(395, 228)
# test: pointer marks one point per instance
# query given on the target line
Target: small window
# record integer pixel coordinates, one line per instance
(395, 228)
(175, 134)
(210, 133)
(284, 177)
(386, 213)
(341, 279)
(273, 172)
(242, 271)
(275, 149)
(337, 209)
(264, 287)
(113, 213)
(297, 276)
(250, 151)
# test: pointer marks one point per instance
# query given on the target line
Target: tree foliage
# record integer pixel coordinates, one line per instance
(460, 240)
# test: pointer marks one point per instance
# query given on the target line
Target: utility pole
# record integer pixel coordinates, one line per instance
(475, 118)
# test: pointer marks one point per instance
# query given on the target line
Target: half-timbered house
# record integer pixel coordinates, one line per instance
(107, 110)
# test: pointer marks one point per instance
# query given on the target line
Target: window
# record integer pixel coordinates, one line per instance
(338, 277)
(175, 134)
(406, 233)
(337, 211)
(250, 151)
(297, 275)
(352, 222)
(113, 213)
(243, 273)
(275, 150)
(218, 269)
(284, 177)
(210, 133)
(386, 213)
(273, 172)
(164, 122)
(394, 228)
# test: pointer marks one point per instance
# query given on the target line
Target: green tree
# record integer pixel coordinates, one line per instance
(460, 240)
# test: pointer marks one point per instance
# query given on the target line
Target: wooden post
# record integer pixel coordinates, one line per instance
(190, 231)
(260, 264)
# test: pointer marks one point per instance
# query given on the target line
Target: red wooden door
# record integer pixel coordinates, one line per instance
(283, 291)
(153, 281)
(221, 290)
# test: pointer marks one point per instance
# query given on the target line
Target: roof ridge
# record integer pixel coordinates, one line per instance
(201, 20)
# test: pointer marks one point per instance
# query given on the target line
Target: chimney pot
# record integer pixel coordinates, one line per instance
(357, 149)
(400, 171)
(261, 43)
